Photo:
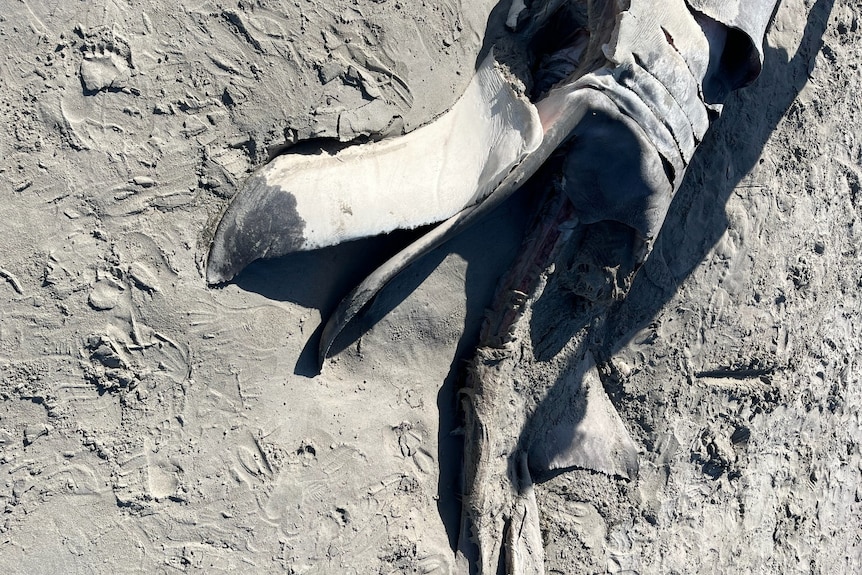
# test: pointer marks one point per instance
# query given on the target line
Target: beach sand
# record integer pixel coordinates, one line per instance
(151, 424)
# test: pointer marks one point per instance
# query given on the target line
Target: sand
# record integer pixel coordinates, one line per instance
(150, 424)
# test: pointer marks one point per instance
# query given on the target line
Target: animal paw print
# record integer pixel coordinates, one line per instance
(410, 444)
(107, 64)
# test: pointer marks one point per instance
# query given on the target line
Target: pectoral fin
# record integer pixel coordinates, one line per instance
(302, 202)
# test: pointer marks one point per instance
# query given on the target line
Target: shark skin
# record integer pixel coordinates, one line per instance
(625, 122)
(665, 66)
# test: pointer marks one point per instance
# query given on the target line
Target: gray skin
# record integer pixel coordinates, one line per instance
(276, 221)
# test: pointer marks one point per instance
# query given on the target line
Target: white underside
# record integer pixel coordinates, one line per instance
(420, 178)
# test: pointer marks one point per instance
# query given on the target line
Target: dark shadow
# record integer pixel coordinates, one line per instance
(749, 119)
(320, 278)
(696, 220)
(489, 247)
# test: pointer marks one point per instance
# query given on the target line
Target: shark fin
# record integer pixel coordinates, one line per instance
(585, 431)
(301, 202)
